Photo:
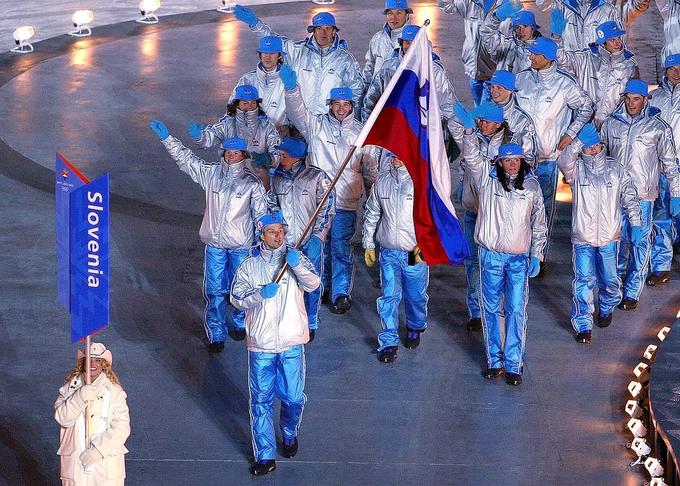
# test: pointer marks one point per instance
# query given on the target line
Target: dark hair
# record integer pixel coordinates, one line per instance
(231, 108)
(519, 180)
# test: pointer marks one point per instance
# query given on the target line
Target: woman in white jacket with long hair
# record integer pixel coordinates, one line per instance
(100, 462)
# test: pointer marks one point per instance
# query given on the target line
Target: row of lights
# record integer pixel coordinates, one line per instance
(637, 407)
(83, 18)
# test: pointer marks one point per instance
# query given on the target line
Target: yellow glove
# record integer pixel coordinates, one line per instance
(418, 255)
(370, 257)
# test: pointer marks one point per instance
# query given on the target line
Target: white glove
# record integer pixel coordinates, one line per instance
(88, 392)
(90, 457)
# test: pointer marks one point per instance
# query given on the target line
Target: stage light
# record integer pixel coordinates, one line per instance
(657, 482)
(663, 332)
(649, 352)
(641, 371)
(21, 37)
(637, 427)
(148, 7)
(641, 449)
(634, 388)
(323, 2)
(634, 409)
(654, 467)
(227, 7)
(81, 21)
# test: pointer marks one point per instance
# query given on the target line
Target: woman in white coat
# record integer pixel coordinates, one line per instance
(102, 461)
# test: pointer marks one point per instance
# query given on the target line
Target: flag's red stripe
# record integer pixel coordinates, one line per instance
(392, 131)
(80, 175)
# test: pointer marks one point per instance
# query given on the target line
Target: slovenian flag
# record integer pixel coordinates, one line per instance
(407, 121)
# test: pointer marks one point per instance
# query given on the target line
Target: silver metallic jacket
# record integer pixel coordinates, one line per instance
(329, 142)
(670, 11)
(276, 324)
(445, 92)
(297, 194)
(256, 129)
(476, 61)
(600, 187)
(270, 89)
(667, 99)
(602, 74)
(380, 49)
(319, 70)
(507, 222)
(557, 105)
(643, 146)
(234, 197)
(584, 16)
(488, 149)
(389, 212)
(507, 51)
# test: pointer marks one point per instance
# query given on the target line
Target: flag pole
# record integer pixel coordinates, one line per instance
(359, 142)
(88, 381)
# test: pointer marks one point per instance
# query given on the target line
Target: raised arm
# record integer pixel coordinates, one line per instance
(296, 111)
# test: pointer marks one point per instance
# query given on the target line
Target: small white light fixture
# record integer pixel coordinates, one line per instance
(323, 2)
(657, 482)
(640, 447)
(649, 352)
(637, 427)
(21, 37)
(654, 467)
(227, 7)
(663, 332)
(641, 371)
(148, 7)
(634, 387)
(634, 409)
(81, 21)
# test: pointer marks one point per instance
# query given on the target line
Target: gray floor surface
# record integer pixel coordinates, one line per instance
(428, 418)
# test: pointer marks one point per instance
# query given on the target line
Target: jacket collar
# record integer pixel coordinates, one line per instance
(248, 118)
(601, 51)
(648, 111)
(344, 124)
(232, 170)
(575, 5)
(267, 76)
(293, 173)
(272, 255)
(395, 33)
(666, 85)
(337, 43)
(544, 74)
(595, 163)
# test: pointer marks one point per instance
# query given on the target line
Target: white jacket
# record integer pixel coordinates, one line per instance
(110, 424)
(276, 324)
(667, 99)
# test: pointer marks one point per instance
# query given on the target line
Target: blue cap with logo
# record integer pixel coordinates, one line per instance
(322, 19)
(510, 150)
(524, 17)
(505, 79)
(293, 146)
(269, 219)
(409, 32)
(544, 47)
(246, 92)
(234, 143)
(271, 44)
(607, 31)
(636, 87)
(342, 93)
(671, 60)
(397, 5)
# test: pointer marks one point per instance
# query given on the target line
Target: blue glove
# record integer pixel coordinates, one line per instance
(160, 129)
(588, 135)
(262, 160)
(195, 130)
(507, 10)
(675, 207)
(293, 257)
(636, 234)
(313, 247)
(464, 116)
(246, 15)
(487, 5)
(534, 266)
(288, 76)
(557, 22)
(269, 290)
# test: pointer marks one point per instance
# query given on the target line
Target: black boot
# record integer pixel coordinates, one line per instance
(387, 355)
(513, 379)
(412, 339)
(312, 335)
(341, 305)
(261, 468)
(658, 278)
(326, 297)
(474, 324)
(491, 373)
(289, 448)
(237, 334)
(216, 347)
(628, 304)
(604, 321)
(583, 337)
